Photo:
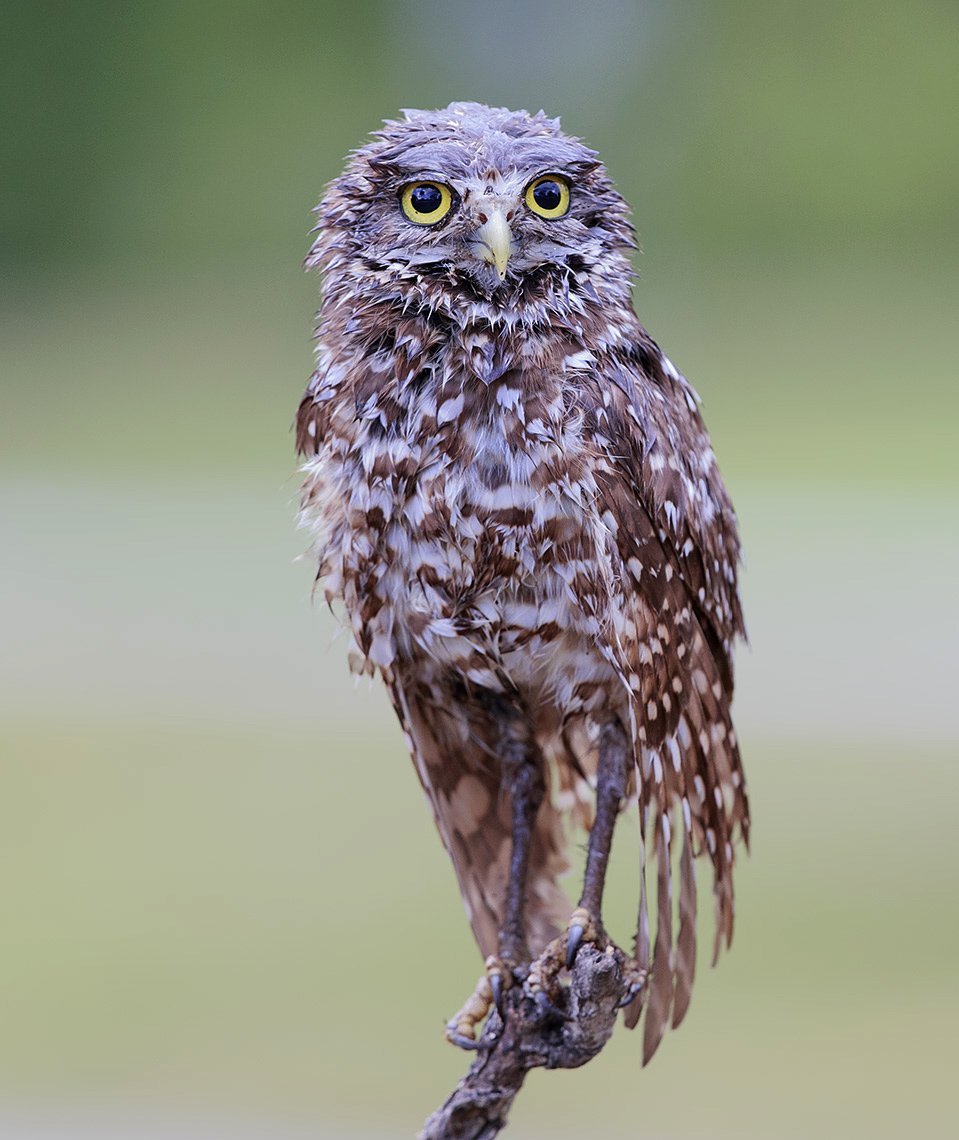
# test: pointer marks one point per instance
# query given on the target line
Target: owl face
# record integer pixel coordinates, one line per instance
(483, 198)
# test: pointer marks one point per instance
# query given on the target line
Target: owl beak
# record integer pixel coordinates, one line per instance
(494, 239)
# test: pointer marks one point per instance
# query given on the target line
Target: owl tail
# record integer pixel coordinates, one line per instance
(460, 774)
(691, 784)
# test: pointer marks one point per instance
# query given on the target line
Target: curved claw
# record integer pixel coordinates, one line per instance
(627, 998)
(496, 986)
(546, 1007)
(574, 938)
(460, 1040)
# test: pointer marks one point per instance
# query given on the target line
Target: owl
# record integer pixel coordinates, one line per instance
(516, 506)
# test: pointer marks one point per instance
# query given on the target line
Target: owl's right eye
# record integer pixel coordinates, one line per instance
(426, 202)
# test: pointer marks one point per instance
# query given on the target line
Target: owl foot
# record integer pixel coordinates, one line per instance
(542, 983)
(488, 993)
(635, 977)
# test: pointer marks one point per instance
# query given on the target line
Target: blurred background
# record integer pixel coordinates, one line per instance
(225, 911)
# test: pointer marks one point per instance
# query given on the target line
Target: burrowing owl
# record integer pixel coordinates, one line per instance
(515, 500)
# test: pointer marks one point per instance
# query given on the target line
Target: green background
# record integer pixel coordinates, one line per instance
(225, 912)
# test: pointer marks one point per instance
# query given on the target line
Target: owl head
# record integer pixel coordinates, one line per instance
(475, 201)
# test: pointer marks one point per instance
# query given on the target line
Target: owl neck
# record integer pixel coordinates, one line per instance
(398, 359)
(572, 300)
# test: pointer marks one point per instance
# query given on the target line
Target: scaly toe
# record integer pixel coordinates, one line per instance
(500, 980)
(461, 1029)
(635, 978)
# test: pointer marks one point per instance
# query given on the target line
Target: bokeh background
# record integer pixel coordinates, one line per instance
(224, 909)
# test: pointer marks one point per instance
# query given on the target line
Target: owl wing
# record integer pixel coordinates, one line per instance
(678, 550)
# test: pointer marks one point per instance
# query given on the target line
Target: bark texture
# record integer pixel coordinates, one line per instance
(478, 1107)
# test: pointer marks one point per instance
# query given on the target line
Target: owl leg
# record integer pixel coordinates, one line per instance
(522, 767)
(586, 924)
(615, 758)
(523, 776)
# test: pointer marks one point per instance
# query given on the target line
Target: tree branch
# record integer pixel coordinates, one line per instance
(478, 1107)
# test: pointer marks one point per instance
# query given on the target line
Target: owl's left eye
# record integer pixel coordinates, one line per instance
(548, 196)
(426, 202)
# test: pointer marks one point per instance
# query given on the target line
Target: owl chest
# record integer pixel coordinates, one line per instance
(470, 545)
(461, 511)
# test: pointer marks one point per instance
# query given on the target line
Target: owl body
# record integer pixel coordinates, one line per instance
(484, 529)
(513, 494)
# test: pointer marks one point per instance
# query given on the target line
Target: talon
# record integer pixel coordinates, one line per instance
(582, 926)
(635, 989)
(499, 978)
(574, 938)
(496, 985)
(459, 1039)
(547, 1008)
(635, 977)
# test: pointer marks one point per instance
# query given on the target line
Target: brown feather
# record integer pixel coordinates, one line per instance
(686, 940)
(461, 777)
(661, 985)
(641, 944)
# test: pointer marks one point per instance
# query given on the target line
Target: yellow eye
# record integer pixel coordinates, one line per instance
(426, 202)
(548, 196)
